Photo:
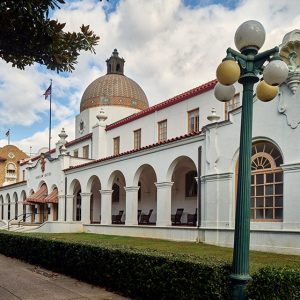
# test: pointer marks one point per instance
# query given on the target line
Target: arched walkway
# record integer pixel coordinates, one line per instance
(1, 208)
(145, 178)
(76, 193)
(184, 191)
(117, 183)
(94, 187)
(23, 198)
(7, 200)
(15, 201)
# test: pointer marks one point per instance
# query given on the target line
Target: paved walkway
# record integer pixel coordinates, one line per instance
(19, 280)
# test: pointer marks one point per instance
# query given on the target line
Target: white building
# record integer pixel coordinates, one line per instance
(133, 169)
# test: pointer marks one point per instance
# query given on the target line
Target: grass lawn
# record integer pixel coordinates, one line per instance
(257, 259)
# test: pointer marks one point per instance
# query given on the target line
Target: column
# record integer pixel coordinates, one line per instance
(5, 211)
(41, 213)
(50, 216)
(12, 210)
(70, 204)
(131, 205)
(86, 208)
(164, 192)
(20, 210)
(106, 206)
(61, 208)
(28, 216)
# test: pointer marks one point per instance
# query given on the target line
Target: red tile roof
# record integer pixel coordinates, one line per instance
(184, 96)
(39, 196)
(71, 143)
(81, 139)
(52, 197)
(136, 150)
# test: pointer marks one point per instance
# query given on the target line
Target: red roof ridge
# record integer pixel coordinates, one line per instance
(178, 98)
(171, 140)
(73, 142)
(80, 139)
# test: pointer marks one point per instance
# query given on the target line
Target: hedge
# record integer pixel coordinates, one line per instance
(134, 273)
(147, 274)
(271, 283)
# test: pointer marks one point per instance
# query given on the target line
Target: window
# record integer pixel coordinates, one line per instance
(75, 153)
(116, 193)
(232, 104)
(11, 174)
(190, 184)
(162, 131)
(193, 120)
(137, 138)
(85, 151)
(266, 183)
(23, 174)
(116, 145)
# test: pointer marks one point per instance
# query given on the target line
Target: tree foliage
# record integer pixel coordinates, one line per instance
(28, 35)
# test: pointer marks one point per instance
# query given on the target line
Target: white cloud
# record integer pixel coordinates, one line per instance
(168, 49)
(41, 138)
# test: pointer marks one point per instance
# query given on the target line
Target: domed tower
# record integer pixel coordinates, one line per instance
(118, 95)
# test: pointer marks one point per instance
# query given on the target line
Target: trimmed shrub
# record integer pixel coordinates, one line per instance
(147, 274)
(271, 283)
(134, 273)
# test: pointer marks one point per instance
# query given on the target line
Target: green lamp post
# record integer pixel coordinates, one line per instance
(245, 67)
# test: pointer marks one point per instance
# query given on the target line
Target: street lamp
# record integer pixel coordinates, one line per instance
(245, 67)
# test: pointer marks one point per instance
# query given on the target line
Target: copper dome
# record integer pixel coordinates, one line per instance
(114, 88)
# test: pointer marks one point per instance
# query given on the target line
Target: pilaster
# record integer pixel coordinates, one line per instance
(106, 206)
(70, 208)
(86, 207)
(131, 205)
(164, 192)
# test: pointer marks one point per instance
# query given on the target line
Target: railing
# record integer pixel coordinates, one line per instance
(24, 217)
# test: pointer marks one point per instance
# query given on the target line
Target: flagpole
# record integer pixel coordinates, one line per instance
(50, 116)
(8, 137)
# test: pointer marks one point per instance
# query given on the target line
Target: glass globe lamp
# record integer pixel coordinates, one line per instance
(250, 34)
(224, 93)
(228, 72)
(275, 72)
(266, 92)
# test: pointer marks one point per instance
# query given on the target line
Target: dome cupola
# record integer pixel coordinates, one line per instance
(114, 88)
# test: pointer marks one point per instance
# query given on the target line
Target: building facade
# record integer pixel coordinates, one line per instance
(168, 171)
(10, 157)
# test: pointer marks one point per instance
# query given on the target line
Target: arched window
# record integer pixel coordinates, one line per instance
(266, 183)
(190, 184)
(11, 174)
(116, 193)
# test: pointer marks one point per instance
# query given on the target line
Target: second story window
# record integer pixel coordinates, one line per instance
(85, 151)
(137, 138)
(232, 104)
(193, 120)
(117, 145)
(162, 131)
(75, 153)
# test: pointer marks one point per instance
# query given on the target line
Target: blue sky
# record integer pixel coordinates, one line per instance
(169, 47)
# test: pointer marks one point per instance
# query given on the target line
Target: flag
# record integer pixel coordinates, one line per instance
(8, 132)
(48, 91)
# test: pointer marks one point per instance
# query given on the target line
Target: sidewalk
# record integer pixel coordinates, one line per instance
(19, 280)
